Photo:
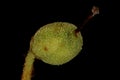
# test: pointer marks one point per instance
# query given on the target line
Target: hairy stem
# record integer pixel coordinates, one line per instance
(28, 66)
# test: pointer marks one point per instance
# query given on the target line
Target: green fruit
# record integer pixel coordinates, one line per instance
(56, 43)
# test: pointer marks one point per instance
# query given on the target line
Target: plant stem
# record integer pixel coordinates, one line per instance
(28, 66)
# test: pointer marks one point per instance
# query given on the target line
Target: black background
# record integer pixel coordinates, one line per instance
(93, 62)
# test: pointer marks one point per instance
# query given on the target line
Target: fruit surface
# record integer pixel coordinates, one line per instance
(56, 43)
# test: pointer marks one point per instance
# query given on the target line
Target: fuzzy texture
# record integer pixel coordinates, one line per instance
(28, 66)
(56, 43)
